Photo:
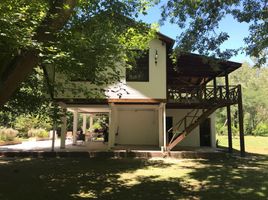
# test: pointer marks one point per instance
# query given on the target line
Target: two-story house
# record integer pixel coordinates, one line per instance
(162, 104)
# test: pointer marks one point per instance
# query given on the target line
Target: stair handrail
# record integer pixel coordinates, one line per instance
(183, 121)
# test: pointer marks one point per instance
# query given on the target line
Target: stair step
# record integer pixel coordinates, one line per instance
(190, 127)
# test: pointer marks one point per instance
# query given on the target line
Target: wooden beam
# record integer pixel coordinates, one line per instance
(215, 87)
(228, 113)
(241, 122)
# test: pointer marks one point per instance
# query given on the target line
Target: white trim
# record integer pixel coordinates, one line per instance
(75, 123)
(84, 127)
(63, 131)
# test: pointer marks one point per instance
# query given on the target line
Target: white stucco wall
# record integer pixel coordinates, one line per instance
(192, 139)
(154, 89)
(137, 126)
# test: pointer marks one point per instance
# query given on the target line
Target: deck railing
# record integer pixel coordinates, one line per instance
(201, 94)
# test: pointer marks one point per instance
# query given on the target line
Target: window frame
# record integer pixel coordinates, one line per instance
(140, 67)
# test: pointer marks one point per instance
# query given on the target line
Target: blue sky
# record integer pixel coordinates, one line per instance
(237, 31)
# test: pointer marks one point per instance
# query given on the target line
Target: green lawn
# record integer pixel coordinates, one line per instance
(126, 179)
(253, 144)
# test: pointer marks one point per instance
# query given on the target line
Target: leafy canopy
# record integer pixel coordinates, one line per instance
(199, 21)
(96, 37)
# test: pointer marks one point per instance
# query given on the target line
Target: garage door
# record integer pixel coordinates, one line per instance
(137, 127)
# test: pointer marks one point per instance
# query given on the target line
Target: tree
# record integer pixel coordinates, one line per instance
(254, 82)
(59, 32)
(29, 99)
(200, 19)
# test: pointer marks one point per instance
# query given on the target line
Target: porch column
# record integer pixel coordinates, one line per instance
(75, 123)
(63, 129)
(164, 126)
(228, 110)
(91, 121)
(160, 125)
(241, 122)
(112, 125)
(84, 123)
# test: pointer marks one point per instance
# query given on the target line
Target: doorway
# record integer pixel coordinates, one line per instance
(169, 124)
(205, 133)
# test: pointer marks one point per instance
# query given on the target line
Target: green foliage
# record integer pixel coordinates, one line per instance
(95, 38)
(255, 101)
(39, 133)
(25, 123)
(199, 23)
(96, 125)
(261, 129)
(29, 99)
(7, 134)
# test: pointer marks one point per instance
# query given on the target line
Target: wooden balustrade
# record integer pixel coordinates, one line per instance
(202, 94)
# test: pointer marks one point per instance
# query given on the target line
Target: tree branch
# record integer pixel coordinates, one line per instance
(58, 15)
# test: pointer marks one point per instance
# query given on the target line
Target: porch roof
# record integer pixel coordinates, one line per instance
(194, 69)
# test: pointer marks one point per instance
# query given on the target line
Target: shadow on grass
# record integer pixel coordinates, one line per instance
(100, 178)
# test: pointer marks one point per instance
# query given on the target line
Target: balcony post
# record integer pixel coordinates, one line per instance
(228, 109)
(215, 87)
(241, 122)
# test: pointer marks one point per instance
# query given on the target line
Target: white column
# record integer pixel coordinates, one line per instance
(75, 123)
(91, 121)
(160, 126)
(63, 129)
(164, 126)
(112, 125)
(84, 123)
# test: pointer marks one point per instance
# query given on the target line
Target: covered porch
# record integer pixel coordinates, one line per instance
(129, 127)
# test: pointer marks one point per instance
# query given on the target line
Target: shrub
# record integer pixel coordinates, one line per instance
(261, 129)
(39, 133)
(8, 134)
(24, 123)
(96, 125)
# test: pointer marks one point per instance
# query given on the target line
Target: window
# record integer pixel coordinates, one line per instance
(140, 69)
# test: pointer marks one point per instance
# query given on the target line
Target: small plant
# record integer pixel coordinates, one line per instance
(261, 130)
(8, 134)
(39, 133)
(25, 123)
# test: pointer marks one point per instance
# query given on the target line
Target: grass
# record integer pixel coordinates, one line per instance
(138, 179)
(85, 178)
(253, 144)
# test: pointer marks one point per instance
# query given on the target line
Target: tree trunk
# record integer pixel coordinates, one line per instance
(22, 65)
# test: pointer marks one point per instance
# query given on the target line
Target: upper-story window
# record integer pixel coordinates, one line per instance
(140, 69)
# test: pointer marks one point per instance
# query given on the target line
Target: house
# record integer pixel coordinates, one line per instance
(162, 104)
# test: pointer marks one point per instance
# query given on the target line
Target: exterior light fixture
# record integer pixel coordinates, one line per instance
(156, 57)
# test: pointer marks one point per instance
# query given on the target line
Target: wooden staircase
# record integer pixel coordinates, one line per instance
(204, 100)
(193, 119)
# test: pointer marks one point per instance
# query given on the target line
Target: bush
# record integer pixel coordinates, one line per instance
(8, 134)
(39, 133)
(261, 130)
(24, 123)
(96, 125)
(223, 130)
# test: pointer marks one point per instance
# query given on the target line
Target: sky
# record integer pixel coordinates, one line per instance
(237, 32)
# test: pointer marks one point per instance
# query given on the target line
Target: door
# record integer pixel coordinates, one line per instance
(169, 124)
(205, 133)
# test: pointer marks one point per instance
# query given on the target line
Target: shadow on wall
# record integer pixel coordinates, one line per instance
(100, 178)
